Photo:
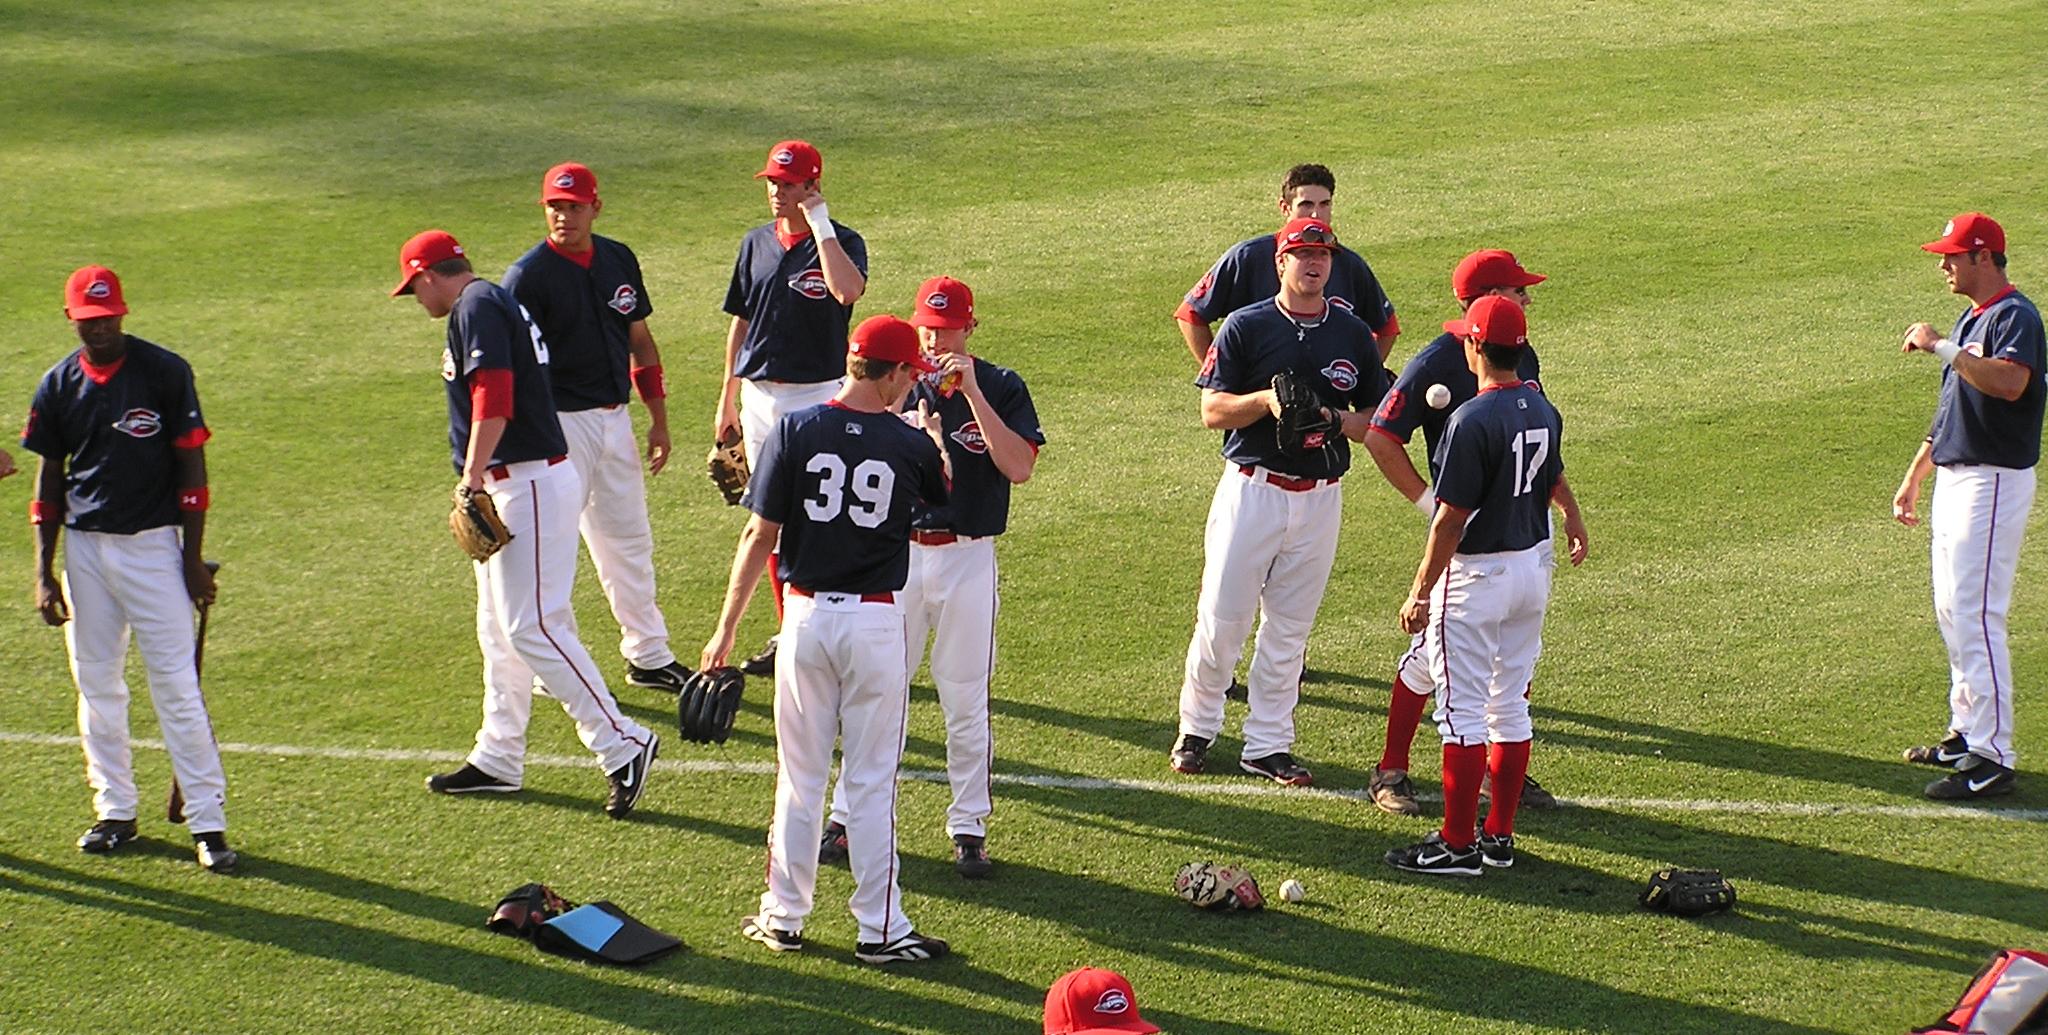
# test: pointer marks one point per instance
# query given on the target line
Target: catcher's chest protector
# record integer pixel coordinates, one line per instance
(2008, 997)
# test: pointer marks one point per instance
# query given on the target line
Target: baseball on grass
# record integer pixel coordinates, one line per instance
(1438, 397)
(1292, 891)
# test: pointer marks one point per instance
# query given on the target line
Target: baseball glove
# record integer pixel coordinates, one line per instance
(708, 704)
(1305, 423)
(728, 464)
(1688, 892)
(477, 527)
(525, 908)
(1206, 885)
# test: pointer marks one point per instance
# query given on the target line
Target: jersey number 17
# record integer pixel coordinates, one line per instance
(1531, 447)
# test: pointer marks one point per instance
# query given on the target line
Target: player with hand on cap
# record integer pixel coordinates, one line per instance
(123, 466)
(991, 435)
(791, 299)
(507, 442)
(1093, 1001)
(1982, 450)
(1272, 529)
(587, 296)
(1482, 587)
(1410, 405)
(836, 486)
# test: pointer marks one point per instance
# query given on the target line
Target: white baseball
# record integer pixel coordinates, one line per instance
(1437, 397)
(1291, 889)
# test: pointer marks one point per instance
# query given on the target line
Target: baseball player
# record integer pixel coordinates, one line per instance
(1272, 527)
(1408, 406)
(836, 483)
(992, 437)
(791, 300)
(1244, 274)
(123, 466)
(507, 442)
(1982, 448)
(586, 295)
(1482, 586)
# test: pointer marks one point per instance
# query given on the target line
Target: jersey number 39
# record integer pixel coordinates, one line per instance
(871, 484)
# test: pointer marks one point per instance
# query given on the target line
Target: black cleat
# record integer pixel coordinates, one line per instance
(629, 781)
(1237, 691)
(911, 948)
(106, 836)
(762, 664)
(1985, 779)
(1190, 754)
(970, 856)
(1279, 767)
(780, 941)
(1534, 796)
(1497, 850)
(213, 852)
(669, 677)
(1947, 754)
(1432, 856)
(832, 847)
(468, 780)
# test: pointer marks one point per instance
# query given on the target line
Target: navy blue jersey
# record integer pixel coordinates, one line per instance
(487, 330)
(117, 434)
(1973, 428)
(842, 484)
(981, 493)
(1338, 357)
(796, 330)
(1501, 459)
(1246, 274)
(586, 317)
(1441, 362)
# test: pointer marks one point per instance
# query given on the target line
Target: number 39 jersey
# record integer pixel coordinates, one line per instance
(1500, 459)
(489, 331)
(841, 482)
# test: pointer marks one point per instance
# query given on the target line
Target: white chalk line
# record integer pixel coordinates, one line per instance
(1197, 789)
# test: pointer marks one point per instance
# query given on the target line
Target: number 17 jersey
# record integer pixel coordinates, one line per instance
(841, 482)
(1500, 459)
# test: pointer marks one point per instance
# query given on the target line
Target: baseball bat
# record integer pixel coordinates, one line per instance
(175, 811)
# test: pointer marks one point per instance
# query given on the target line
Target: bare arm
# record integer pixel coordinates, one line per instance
(1397, 467)
(640, 342)
(1009, 451)
(1574, 522)
(757, 541)
(728, 415)
(49, 592)
(1222, 411)
(192, 475)
(1199, 336)
(483, 441)
(1998, 378)
(1906, 501)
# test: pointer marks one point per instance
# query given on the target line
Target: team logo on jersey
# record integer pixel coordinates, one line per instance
(139, 423)
(624, 300)
(1342, 303)
(1343, 375)
(566, 180)
(99, 289)
(784, 157)
(447, 365)
(1112, 1002)
(937, 300)
(969, 437)
(810, 284)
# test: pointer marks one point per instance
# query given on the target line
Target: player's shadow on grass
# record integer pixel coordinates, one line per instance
(696, 996)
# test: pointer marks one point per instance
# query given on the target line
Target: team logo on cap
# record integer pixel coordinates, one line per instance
(447, 365)
(784, 157)
(810, 284)
(1948, 228)
(566, 180)
(1113, 1001)
(139, 423)
(624, 300)
(969, 437)
(99, 289)
(1343, 375)
(937, 300)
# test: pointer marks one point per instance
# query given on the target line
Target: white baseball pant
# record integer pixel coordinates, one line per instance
(615, 529)
(116, 583)
(1484, 635)
(1268, 553)
(762, 403)
(951, 595)
(526, 628)
(838, 673)
(1414, 667)
(1979, 516)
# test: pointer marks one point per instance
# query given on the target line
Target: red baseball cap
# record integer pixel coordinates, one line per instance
(1305, 233)
(569, 181)
(1494, 320)
(1969, 232)
(1093, 1001)
(943, 302)
(792, 161)
(1490, 268)
(425, 249)
(888, 339)
(93, 292)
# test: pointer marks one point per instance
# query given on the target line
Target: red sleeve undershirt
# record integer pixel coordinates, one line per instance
(193, 439)
(490, 394)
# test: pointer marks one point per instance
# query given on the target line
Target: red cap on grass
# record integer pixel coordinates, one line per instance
(1490, 268)
(1969, 232)
(1494, 320)
(569, 181)
(93, 292)
(1305, 233)
(1093, 1001)
(792, 161)
(425, 249)
(943, 302)
(887, 339)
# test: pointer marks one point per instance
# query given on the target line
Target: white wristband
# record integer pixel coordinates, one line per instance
(1426, 503)
(821, 222)
(1947, 350)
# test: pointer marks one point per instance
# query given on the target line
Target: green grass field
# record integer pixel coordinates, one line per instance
(1727, 198)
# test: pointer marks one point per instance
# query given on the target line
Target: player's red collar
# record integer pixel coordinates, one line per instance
(790, 238)
(99, 375)
(1978, 310)
(582, 258)
(1498, 385)
(1315, 317)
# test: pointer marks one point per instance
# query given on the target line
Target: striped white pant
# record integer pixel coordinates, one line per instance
(1978, 516)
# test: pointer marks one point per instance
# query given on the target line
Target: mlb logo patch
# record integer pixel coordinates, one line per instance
(854, 429)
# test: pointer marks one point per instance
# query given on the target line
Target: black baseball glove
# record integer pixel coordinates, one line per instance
(1306, 424)
(1688, 892)
(709, 703)
(525, 908)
